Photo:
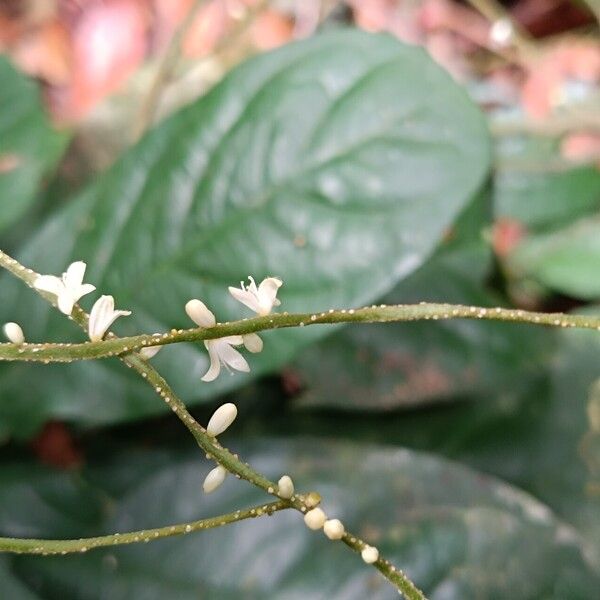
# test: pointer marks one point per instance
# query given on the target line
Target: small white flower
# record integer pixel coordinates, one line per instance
(214, 479)
(102, 316)
(222, 352)
(149, 352)
(222, 418)
(260, 299)
(315, 518)
(370, 554)
(68, 289)
(334, 529)
(285, 487)
(198, 312)
(14, 333)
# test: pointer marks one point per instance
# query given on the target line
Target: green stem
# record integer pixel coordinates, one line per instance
(374, 314)
(45, 547)
(387, 569)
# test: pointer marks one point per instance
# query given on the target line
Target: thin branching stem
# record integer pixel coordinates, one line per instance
(45, 547)
(208, 443)
(374, 314)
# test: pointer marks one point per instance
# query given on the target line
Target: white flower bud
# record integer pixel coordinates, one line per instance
(222, 418)
(13, 333)
(370, 554)
(198, 312)
(214, 479)
(285, 487)
(315, 518)
(252, 342)
(334, 529)
(149, 352)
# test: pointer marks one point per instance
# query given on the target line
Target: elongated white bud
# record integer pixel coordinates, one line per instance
(214, 479)
(285, 487)
(315, 518)
(370, 554)
(222, 418)
(252, 342)
(149, 352)
(198, 312)
(334, 529)
(13, 333)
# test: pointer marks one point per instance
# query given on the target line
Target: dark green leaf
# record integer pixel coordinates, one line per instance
(384, 366)
(336, 163)
(458, 533)
(29, 146)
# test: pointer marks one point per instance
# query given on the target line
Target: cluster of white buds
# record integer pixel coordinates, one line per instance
(317, 519)
(221, 351)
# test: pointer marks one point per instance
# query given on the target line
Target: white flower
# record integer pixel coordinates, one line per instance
(200, 314)
(214, 479)
(260, 299)
(149, 352)
(370, 554)
(221, 352)
(334, 529)
(14, 333)
(315, 518)
(222, 418)
(285, 487)
(102, 316)
(68, 289)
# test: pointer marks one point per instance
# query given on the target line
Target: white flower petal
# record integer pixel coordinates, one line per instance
(50, 284)
(215, 363)
(222, 418)
(231, 357)
(102, 316)
(83, 290)
(246, 297)
(252, 342)
(14, 333)
(268, 288)
(65, 302)
(73, 277)
(214, 479)
(198, 312)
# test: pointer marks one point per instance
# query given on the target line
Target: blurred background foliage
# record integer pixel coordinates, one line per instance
(360, 171)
